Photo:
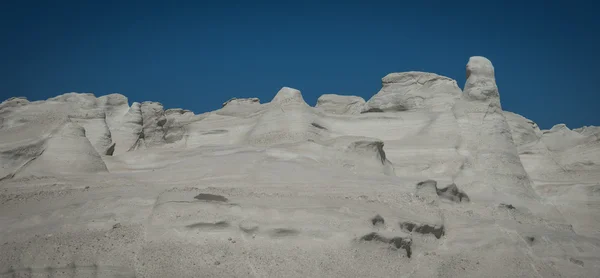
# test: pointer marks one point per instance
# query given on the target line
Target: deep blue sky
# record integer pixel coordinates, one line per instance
(196, 55)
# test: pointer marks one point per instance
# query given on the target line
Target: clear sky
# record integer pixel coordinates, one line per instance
(198, 54)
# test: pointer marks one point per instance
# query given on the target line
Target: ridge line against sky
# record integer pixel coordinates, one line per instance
(195, 56)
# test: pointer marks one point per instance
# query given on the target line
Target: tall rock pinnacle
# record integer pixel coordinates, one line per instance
(492, 164)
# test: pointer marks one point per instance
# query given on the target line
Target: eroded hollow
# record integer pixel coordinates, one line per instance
(437, 231)
(576, 261)
(372, 110)
(282, 232)
(506, 206)
(210, 197)
(377, 220)
(452, 193)
(318, 126)
(396, 242)
(208, 225)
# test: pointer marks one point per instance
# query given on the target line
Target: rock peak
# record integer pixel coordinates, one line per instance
(288, 95)
(480, 66)
(239, 101)
(412, 77)
(481, 82)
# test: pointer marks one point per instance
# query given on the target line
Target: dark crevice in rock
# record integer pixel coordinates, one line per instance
(210, 197)
(281, 232)
(452, 193)
(397, 242)
(437, 231)
(215, 131)
(372, 110)
(506, 206)
(409, 226)
(530, 239)
(111, 149)
(427, 182)
(318, 126)
(576, 261)
(203, 225)
(250, 230)
(377, 220)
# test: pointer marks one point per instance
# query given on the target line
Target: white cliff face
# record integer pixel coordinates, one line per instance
(564, 166)
(421, 180)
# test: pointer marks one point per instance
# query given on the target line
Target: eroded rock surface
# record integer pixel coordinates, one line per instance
(422, 180)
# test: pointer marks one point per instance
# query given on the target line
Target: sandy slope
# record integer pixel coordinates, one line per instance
(420, 181)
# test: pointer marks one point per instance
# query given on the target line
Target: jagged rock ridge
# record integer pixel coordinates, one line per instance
(138, 190)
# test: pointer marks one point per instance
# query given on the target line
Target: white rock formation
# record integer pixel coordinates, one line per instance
(422, 180)
(491, 162)
(240, 107)
(337, 104)
(67, 151)
(409, 91)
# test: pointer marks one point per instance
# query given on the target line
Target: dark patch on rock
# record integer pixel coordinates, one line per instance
(506, 206)
(210, 197)
(437, 231)
(318, 126)
(452, 193)
(397, 242)
(248, 227)
(204, 225)
(216, 131)
(372, 110)
(377, 220)
(409, 226)
(530, 239)
(402, 243)
(427, 183)
(111, 149)
(281, 232)
(576, 261)
(117, 225)
(249, 230)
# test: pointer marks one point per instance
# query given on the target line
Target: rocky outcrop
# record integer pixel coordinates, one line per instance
(68, 151)
(491, 161)
(153, 120)
(337, 104)
(410, 91)
(241, 101)
(240, 107)
(286, 119)
(358, 153)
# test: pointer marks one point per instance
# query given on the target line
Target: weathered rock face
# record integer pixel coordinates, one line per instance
(153, 120)
(410, 91)
(461, 138)
(337, 104)
(241, 101)
(491, 162)
(240, 107)
(287, 119)
(419, 179)
(481, 81)
(68, 151)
